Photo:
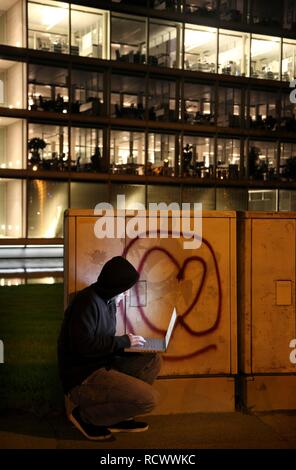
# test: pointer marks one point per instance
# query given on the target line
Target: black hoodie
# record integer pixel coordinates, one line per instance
(87, 339)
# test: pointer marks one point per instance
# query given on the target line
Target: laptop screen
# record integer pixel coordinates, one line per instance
(171, 327)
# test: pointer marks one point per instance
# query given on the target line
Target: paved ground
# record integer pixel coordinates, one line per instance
(200, 431)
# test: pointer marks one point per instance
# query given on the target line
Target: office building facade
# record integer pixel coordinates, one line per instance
(173, 101)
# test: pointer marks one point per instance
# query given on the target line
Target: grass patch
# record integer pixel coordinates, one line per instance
(30, 319)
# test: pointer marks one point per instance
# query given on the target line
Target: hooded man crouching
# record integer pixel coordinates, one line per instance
(107, 386)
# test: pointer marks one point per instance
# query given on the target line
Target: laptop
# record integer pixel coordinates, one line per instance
(157, 344)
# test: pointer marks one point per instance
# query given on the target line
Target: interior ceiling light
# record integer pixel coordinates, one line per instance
(53, 16)
(195, 39)
(262, 47)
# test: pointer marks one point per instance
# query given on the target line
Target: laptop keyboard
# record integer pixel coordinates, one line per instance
(153, 344)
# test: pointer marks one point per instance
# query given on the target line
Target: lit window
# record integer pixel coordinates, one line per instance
(12, 23)
(262, 160)
(199, 103)
(163, 44)
(11, 197)
(229, 109)
(200, 48)
(50, 199)
(128, 39)
(161, 154)
(265, 57)
(197, 156)
(48, 89)
(87, 92)
(87, 150)
(161, 100)
(234, 53)
(228, 159)
(49, 26)
(127, 152)
(289, 60)
(288, 161)
(87, 32)
(48, 147)
(127, 96)
(12, 142)
(12, 84)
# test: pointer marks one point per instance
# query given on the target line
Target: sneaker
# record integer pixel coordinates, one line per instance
(130, 425)
(95, 433)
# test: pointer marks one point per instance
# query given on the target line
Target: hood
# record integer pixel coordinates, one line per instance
(117, 276)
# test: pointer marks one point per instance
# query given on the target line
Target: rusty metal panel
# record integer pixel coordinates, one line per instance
(273, 325)
(265, 393)
(201, 283)
(266, 308)
(266, 290)
(194, 395)
(86, 254)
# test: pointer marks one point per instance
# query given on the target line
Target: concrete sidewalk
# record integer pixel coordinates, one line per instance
(196, 431)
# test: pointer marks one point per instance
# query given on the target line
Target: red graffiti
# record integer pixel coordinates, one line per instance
(180, 274)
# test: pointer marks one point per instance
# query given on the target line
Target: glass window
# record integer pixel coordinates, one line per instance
(12, 84)
(198, 156)
(134, 193)
(87, 32)
(231, 199)
(263, 110)
(199, 103)
(47, 201)
(161, 100)
(267, 14)
(48, 89)
(265, 57)
(287, 200)
(288, 161)
(161, 193)
(87, 150)
(163, 44)
(127, 97)
(87, 195)
(171, 5)
(202, 8)
(262, 200)
(12, 142)
(127, 152)
(262, 160)
(228, 159)
(161, 154)
(288, 113)
(48, 147)
(231, 10)
(48, 26)
(234, 50)
(289, 60)
(87, 92)
(200, 48)
(229, 109)
(206, 196)
(128, 39)
(289, 9)
(12, 23)
(11, 208)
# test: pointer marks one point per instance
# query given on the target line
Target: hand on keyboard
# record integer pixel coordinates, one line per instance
(136, 340)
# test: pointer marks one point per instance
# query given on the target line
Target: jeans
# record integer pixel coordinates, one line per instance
(107, 397)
